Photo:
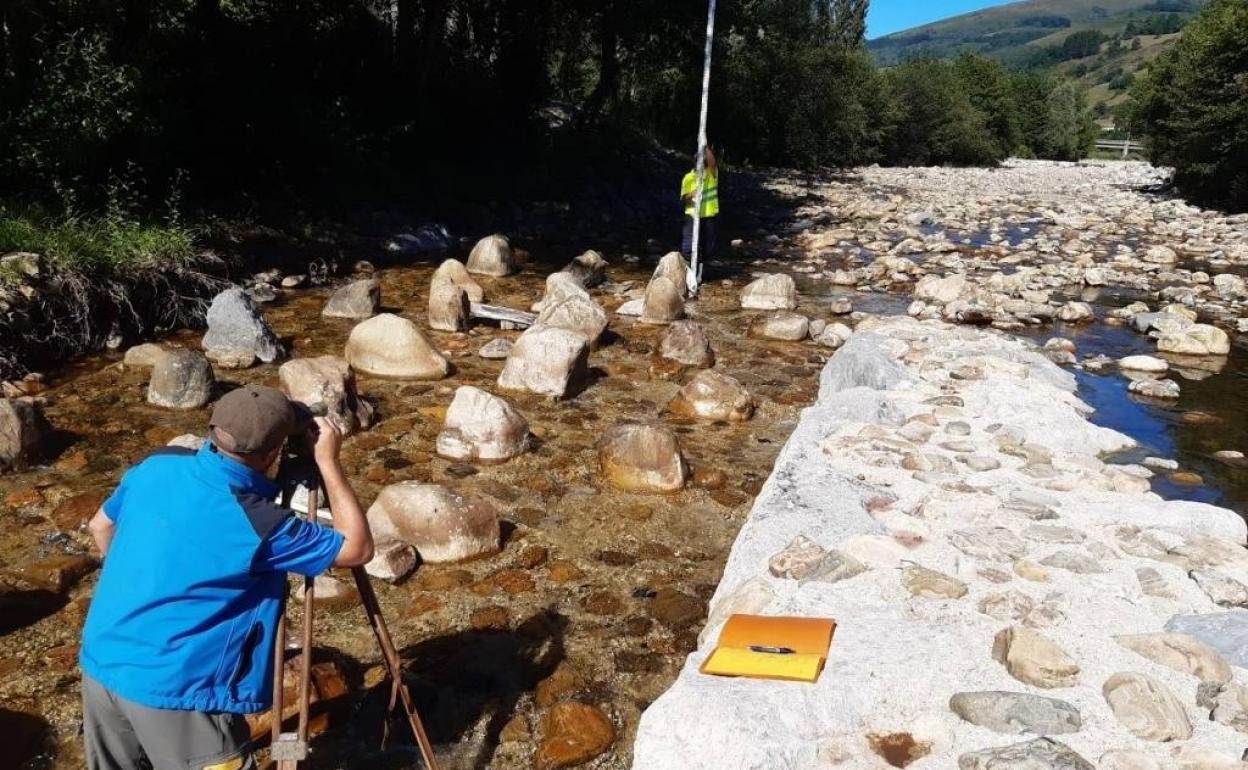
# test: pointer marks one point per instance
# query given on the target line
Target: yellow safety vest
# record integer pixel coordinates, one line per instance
(710, 192)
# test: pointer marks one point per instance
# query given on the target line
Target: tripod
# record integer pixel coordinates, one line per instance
(288, 749)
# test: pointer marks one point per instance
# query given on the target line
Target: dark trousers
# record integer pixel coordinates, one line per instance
(708, 243)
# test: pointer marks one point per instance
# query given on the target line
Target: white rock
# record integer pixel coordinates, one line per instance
(771, 292)
(482, 426)
(547, 361)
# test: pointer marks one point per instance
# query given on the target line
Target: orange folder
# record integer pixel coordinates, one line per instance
(745, 638)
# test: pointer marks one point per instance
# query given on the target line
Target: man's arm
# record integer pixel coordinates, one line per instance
(102, 528)
(349, 519)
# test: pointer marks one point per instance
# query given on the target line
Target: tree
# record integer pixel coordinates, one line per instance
(987, 84)
(1069, 130)
(939, 122)
(1192, 106)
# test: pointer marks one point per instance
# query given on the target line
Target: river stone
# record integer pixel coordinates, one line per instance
(143, 356)
(455, 271)
(578, 314)
(1143, 364)
(559, 286)
(989, 543)
(1074, 561)
(1180, 652)
(546, 361)
(25, 435)
(448, 306)
(589, 269)
(1016, 713)
(933, 288)
(496, 349)
(663, 303)
(1126, 759)
(1226, 632)
(392, 561)
(1160, 255)
(1032, 659)
(771, 292)
(1224, 590)
(236, 326)
(1075, 312)
(482, 426)
(1038, 754)
(443, 525)
(686, 342)
(1146, 707)
(1150, 388)
(930, 584)
(833, 335)
(1228, 704)
(784, 326)
(390, 346)
(181, 379)
(492, 256)
(642, 458)
(1195, 340)
(326, 385)
(572, 734)
(800, 559)
(711, 395)
(356, 300)
(674, 268)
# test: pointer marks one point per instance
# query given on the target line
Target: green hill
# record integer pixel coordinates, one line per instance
(1103, 43)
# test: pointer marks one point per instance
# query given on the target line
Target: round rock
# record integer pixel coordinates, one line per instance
(443, 525)
(482, 426)
(642, 458)
(181, 379)
(390, 346)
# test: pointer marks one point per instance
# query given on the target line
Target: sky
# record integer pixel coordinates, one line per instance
(887, 16)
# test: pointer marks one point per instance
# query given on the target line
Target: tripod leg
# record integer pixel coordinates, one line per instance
(372, 609)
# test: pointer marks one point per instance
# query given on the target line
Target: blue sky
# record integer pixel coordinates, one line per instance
(888, 16)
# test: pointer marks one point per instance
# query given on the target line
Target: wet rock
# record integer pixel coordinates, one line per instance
(1160, 255)
(642, 458)
(390, 346)
(1075, 312)
(392, 561)
(356, 300)
(25, 435)
(326, 385)
(1224, 590)
(235, 327)
(496, 349)
(930, 584)
(590, 269)
(1180, 652)
(492, 256)
(58, 573)
(675, 609)
(664, 302)
(482, 426)
(443, 525)
(572, 734)
(1146, 707)
(799, 560)
(181, 379)
(1016, 713)
(143, 356)
(559, 286)
(771, 292)
(1143, 364)
(454, 271)
(711, 395)
(1195, 340)
(1039, 754)
(789, 327)
(448, 306)
(578, 314)
(1032, 659)
(933, 288)
(833, 335)
(674, 268)
(332, 594)
(546, 361)
(686, 342)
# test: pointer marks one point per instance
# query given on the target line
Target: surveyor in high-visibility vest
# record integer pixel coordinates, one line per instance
(709, 214)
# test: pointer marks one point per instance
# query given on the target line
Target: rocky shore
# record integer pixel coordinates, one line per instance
(1004, 598)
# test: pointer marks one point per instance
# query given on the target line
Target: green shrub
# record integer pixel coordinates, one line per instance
(94, 244)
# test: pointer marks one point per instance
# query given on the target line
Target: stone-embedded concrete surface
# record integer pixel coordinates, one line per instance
(968, 453)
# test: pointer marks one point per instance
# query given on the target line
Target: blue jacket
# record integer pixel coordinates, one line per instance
(185, 612)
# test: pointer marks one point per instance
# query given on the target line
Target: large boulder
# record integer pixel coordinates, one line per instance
(389, 346)
(578, 314)
(560, 286)
(25, 435)
(590, 269)
(443, 525)
(492, 256)
(1195, 340)
(356, 300)
(454, 270)
(482, 426)
(181, 379)
(546, 360)
(642, 458)
(326, 385)
(711, 395)
(664, 301)
(685, 342)
(771, 292)
(448, 305)
(236, 329)
(674, 268)
(934, 288)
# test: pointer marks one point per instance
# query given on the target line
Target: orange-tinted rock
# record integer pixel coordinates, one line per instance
(642, 458)
(564, 681)
(490, 617)
(57, 573)
(422, 603)
(572, 734)
(72, 512)
(533, 556)
(711, 395)
(328, 685)
(563, 572)
(23, 497)
(602, 603)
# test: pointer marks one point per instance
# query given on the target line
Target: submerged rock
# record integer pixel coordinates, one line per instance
(326, 385)
(642, 458)
(356, 300)
(771, 292)
(181, 379)
(443, 525)
(492, 256)
(572, 734)
(686, 342)
(25, 435)
(547, 361)
(790, 327)
(390, 346)
(711, 395)
(235, 327)
(482, 426)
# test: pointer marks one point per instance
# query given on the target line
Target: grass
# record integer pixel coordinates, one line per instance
(94, 245)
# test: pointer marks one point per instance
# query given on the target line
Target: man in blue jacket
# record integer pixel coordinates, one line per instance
(178, 642)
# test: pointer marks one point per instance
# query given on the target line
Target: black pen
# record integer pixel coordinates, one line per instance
(772, 650)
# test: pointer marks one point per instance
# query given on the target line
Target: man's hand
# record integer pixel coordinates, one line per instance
(326, 441)
(349, 520)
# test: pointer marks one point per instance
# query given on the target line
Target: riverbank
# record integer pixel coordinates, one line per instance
(992, 550)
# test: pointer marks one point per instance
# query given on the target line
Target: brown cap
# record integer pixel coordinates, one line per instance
(252, 418)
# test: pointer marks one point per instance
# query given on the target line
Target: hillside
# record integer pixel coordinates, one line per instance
(1103, 43)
